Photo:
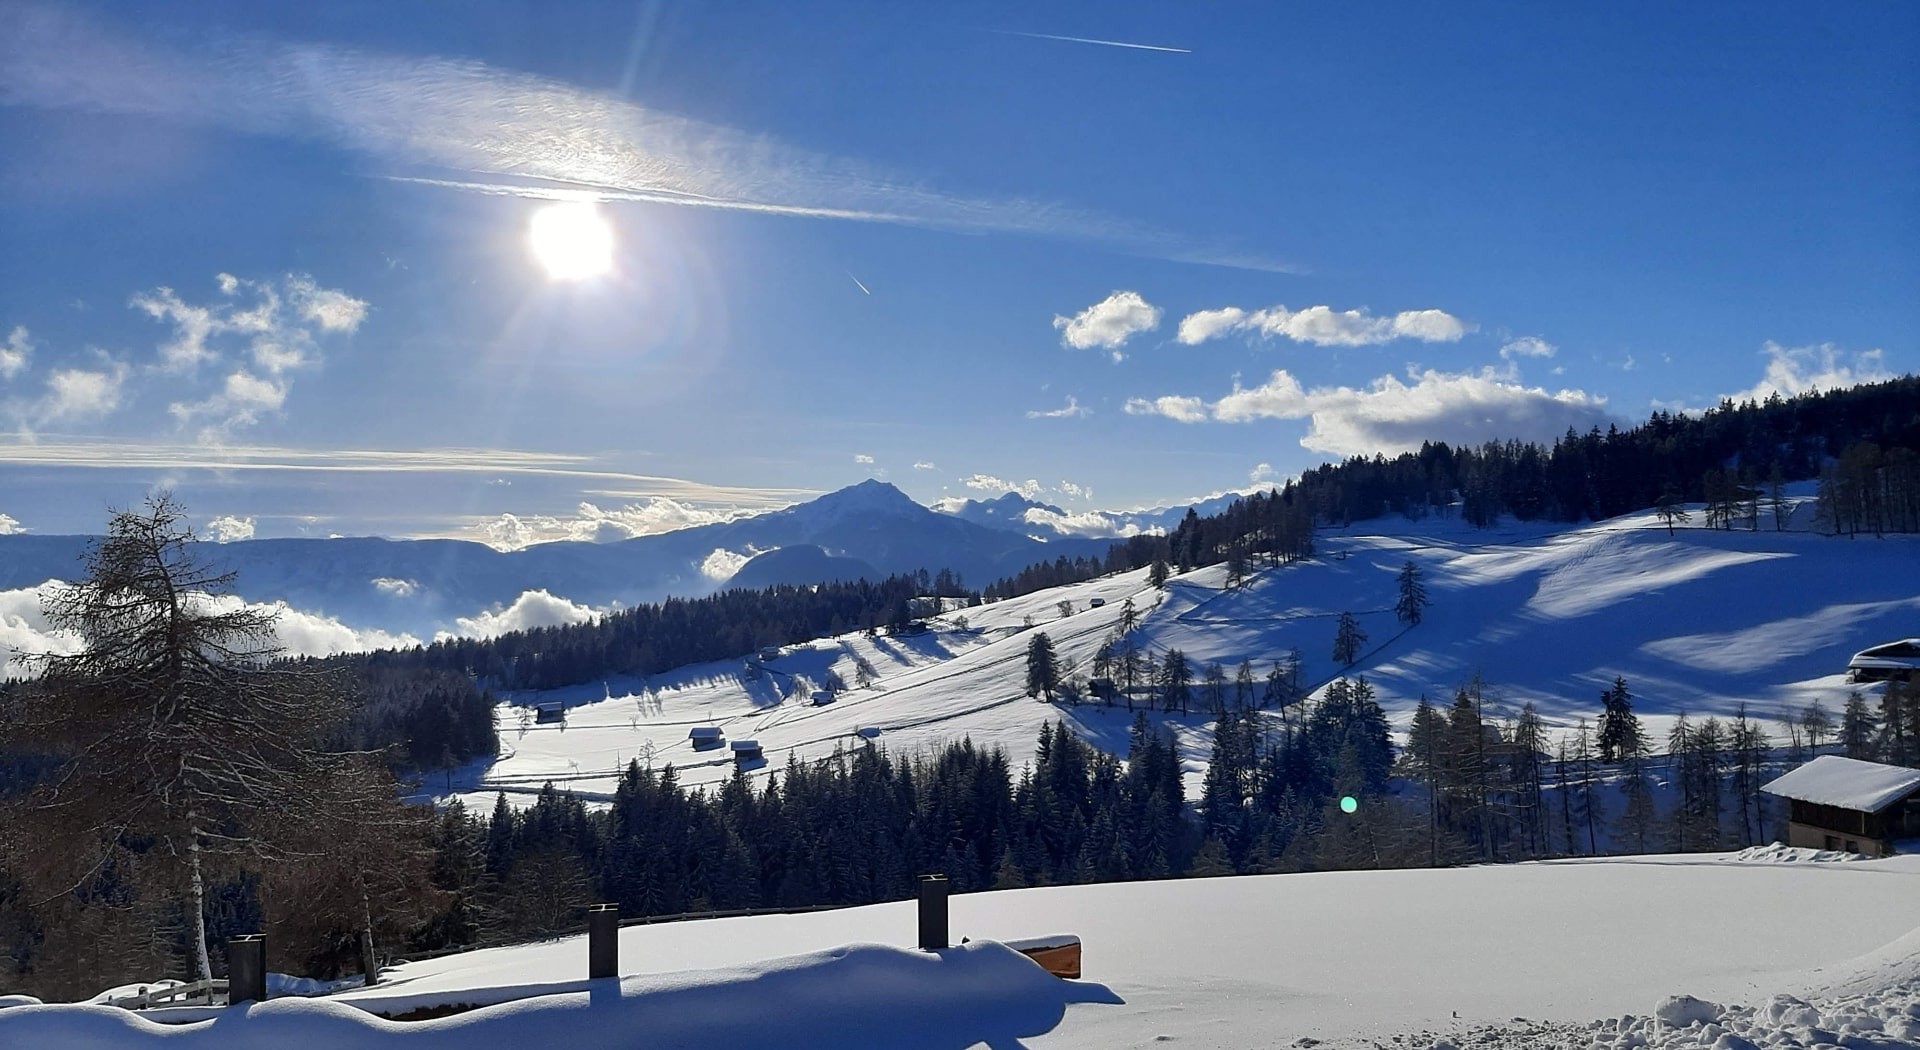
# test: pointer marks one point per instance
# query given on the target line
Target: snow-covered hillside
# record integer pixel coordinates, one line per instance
(1544, 954)
(1700, 621)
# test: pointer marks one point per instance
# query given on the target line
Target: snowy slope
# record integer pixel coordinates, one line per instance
(1265, 960)
(1699, 622)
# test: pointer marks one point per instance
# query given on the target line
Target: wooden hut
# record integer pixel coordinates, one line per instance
(1846, 804)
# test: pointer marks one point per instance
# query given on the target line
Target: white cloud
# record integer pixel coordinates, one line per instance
(593, 524)
(333, 310)
(1324, 326)
(1108, 323)
(1073, 491)
(1821, 366)
(1029, 488)
(24, 629)
(925, 464)
(1073, 409)
(227, 528)
(1261, 472)
(1528, 346)
(1184, 409)
(532, 609)
(79, 393)
(240, 402)
(723, 563)
(396, 588)
(14, 354)
(277, 326)
(862, 457)
(1393, 416)
(9, 525)
(1197, 328)
(1093, 523)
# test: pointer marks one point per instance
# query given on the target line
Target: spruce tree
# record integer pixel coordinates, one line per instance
(1620, 733)
(1043, 673)
(1347, 640)
(1413, 596)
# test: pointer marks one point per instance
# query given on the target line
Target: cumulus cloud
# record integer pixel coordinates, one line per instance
(1092, 524)
(532, 609)
(1528, 346)
(81, 393)
(1184, 409)
(1391, 415)
(260, 331)
(723, 563)
(1261, 472)
(925, 464)
(593, 524)
(1108, 323)
(1792, 370)
(396, 588)
(9, 525)
(862, 457)
(1073, 409)
(1073, 491)
(25, 632)
(14, 353)
(1029, 488)
(1323, 325)
(227, 528)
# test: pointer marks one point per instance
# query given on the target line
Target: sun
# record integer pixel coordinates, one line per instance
(571, 240)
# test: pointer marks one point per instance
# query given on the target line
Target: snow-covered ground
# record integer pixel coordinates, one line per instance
(1348, 958)
(1700, 621)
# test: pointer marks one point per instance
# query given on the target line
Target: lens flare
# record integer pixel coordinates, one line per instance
(1349, 804)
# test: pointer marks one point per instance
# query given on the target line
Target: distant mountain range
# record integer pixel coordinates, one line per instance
(421, 586)
(1017, 513)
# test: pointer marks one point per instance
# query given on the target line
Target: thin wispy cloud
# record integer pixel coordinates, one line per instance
(1096, 40)
(468, 125)
(496, 463)
(857, 283)
(1073, 409)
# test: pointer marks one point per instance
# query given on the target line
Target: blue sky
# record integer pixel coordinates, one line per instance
(277, 258)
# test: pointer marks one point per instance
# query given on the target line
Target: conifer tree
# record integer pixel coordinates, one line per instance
(1620, 733)
(1043, 673)
(178, 750)
(1857, 727)
(1671, 508)
(1413, 599)
(1347, 640)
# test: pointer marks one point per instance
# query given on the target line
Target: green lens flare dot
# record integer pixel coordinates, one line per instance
(1348, 803)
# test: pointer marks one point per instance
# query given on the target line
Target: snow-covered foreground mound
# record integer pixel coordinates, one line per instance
(1264, 961)
(858, 996)
(1592, 953)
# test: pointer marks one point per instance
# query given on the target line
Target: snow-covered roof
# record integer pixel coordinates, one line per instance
(1903, 653)
(746, 745)
(1848, 783)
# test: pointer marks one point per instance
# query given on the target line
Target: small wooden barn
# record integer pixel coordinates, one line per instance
(1847, 804)
(746, 751)
(705, 737)
(550, 712)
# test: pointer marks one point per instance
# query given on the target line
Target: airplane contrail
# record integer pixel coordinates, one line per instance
(1092, 40)
(863, 287)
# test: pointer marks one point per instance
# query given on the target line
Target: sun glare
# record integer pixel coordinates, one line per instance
(572, 241)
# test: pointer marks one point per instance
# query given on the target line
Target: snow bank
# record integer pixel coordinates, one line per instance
(1776, 853)
(861, 995)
